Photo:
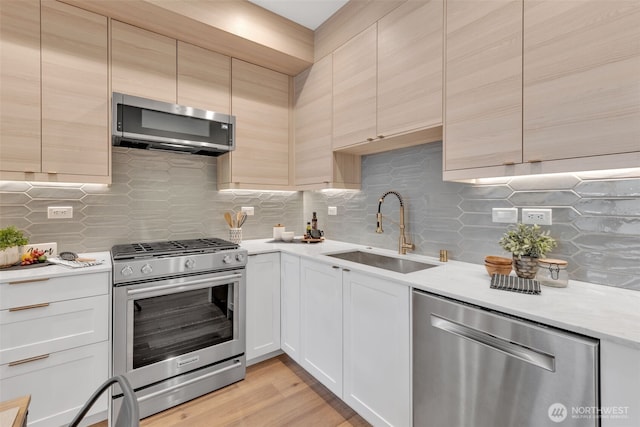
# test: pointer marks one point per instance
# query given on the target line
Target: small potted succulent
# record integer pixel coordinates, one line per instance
(11, 239)
(527, 243)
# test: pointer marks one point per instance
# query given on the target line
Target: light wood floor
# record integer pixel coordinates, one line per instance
(276, 392)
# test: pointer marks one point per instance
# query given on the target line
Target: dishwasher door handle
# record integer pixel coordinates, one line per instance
(536, 358)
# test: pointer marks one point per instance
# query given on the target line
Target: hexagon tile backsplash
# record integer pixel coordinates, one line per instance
(596, 222)
(159, 196)
(154, 196)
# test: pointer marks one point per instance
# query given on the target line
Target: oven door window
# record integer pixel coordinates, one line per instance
(171, 325)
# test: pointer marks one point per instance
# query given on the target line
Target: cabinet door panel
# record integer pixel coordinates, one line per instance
(59, 384)
(313, 114)
(47, 290)
(376, 337)
(75, 101)
(290, 307)
(263, 305)
(483, 80)
(65, 324)
(204, 78)
(260, 102)
(321, 323)
(142, 63)
(20, 87)
(354, 89)
(581, 78)
(410, 67)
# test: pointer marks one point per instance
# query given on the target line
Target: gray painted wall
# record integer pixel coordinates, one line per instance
(159, 196)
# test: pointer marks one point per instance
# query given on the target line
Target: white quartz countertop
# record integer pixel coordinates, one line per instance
(598, 311)
(55, 270)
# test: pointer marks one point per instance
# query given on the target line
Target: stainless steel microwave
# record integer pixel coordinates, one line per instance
(155, 125)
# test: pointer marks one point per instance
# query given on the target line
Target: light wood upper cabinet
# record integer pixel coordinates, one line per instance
(581, 78)
(204, 78)
(75, 101)
(410, 67)
(387, 82)
(142, 63)
(483, 81)
(260, 103)
(354, 89)
(20, 87)
(316, 165)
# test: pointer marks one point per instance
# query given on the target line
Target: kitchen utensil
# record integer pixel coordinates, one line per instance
(242, 220)
(498, 260)
(287, 236)
(68, 256)
(238, 218)
(504, 269)
(227, 217)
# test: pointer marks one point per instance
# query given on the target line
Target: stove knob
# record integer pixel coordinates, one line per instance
(146, 269)
(189, 263)
(226, 259)
(240, 257)
(126, 271)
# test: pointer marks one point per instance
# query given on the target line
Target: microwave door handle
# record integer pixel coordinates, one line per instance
(183, 286)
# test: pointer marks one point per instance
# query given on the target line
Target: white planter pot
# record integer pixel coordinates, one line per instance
(9, 256)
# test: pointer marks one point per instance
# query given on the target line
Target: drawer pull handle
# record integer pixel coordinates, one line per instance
(30, 359)
(535, 161)
(509, 163)
(20, 282)
(29, 307)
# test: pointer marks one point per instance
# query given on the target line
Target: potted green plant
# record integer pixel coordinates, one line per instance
(11, 239)
(527, 243)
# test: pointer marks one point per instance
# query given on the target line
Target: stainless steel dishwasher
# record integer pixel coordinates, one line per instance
(477, 368)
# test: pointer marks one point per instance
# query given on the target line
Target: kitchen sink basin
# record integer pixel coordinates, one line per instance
(399, 265)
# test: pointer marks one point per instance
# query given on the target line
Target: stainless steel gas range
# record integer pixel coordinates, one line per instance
(178, 319)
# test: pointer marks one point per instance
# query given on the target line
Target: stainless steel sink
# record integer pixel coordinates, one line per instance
(399, 265)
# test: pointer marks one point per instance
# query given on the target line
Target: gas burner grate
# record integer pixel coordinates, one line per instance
(170, 247)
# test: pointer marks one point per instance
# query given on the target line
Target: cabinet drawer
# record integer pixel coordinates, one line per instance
(59, 385)
(20, 293)
(30, 332)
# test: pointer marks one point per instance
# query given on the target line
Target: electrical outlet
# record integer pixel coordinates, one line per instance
(536, 216)
(59, 212)
(504, 215)
(333, 210)
(248, 210)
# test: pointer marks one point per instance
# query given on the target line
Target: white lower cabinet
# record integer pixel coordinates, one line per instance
(59, 383)
(263, 305)
(321, 322)
(377, 353)
(355, 332)
(290, 305)
(54, 343)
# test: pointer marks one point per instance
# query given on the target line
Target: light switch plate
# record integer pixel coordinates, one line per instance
(333, 210)
(248, 210)
(504, 215)
(59, 212)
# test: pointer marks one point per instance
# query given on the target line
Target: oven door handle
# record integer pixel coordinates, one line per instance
(179, 287)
